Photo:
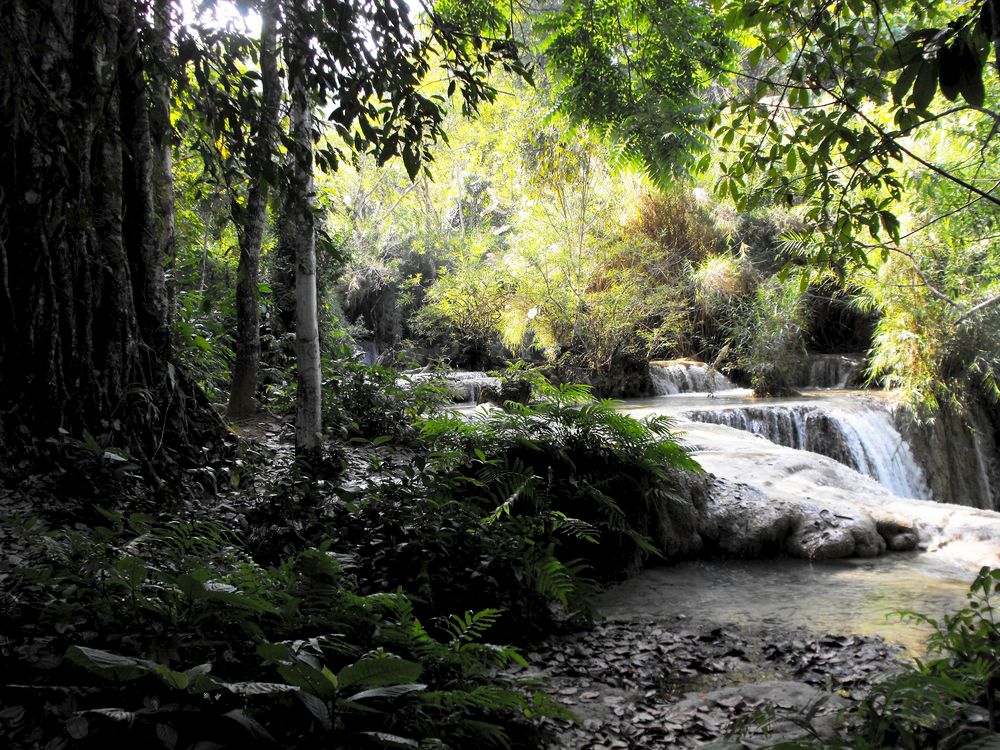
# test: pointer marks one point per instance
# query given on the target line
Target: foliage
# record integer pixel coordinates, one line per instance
(636, 70)
(918, 344)
(421, 514)
(374, 402)
(562, 473)
(465, 307)
(770, 336)
(170, 635)
(875, 120)
(834, 93)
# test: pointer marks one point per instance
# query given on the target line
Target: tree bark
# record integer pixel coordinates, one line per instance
(250, 221)
(161, 96)
(299, 232)
(83, 344)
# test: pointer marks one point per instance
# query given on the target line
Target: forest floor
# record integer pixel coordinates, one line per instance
(684, 680)
(650, 684)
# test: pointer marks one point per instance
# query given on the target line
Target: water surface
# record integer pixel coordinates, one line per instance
(838, 596)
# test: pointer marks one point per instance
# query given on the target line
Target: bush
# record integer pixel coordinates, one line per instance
(172, 636)
(574, 483)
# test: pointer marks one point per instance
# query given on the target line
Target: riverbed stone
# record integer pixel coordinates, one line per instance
(825, 534)
(651, 684)
(899, 534)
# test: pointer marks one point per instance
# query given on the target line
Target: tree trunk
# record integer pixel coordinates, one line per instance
(250, 221)
(83, 343)
(161, 95)
(299, 232)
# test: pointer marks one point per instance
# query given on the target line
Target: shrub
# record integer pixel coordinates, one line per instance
(172, 636)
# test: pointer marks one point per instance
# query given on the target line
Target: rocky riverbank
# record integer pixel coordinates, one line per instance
(652, 683)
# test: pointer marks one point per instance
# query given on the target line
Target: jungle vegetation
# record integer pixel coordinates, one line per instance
(222, 528)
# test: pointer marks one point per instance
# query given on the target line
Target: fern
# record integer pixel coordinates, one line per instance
(471, 626)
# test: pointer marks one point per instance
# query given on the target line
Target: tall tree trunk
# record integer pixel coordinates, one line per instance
(83, 343)
(299, 232)
(250, 221)
(161, 99)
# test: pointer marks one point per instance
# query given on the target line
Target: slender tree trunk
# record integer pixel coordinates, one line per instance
(250, 221)
(299, 232)
(161, 96)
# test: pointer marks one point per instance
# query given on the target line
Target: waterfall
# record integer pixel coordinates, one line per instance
(864, 438)
(686, 376)
(462, 386)
(832, 370)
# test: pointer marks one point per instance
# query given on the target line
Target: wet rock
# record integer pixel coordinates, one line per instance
(741, 521)
(899, 534)
(823, 534)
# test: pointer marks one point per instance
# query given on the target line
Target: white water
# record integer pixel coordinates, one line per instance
(686, 376)
(849, 596)
(463, 386)
(958, 537)
(857, 432)
(832, 370)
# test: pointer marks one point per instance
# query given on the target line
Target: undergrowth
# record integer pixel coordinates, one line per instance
(172, 636)
(349, 611)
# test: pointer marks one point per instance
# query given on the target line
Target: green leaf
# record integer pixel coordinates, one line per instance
(108, 665)
(308, 678)
(389, 691)
(132, 570)
(972, 88)
(259, 688)
(411, 160)
(926, 84)
(318, 708)
(905, 81)
(374, 672)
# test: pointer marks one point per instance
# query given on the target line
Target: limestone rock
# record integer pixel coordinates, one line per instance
(741, 521)
(822, 534)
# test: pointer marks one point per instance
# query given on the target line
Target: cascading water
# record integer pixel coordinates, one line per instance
(686, 376)
(859, 434)
(832, 370)
(778, 496)
(463, 386)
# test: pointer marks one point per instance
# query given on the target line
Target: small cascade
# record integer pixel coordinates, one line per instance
(675, 376)
(862, 437)
(832, 370)
(369, 352)
(463, 386)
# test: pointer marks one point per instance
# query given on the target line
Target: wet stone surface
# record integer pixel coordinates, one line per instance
(644, 683)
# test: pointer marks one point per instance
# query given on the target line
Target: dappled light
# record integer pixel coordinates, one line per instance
(469, 374)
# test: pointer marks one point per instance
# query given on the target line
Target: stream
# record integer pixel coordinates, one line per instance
(771, 445)
(834, 596)
(689, 650)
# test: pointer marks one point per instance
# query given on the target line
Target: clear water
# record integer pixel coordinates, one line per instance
(839, 596)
